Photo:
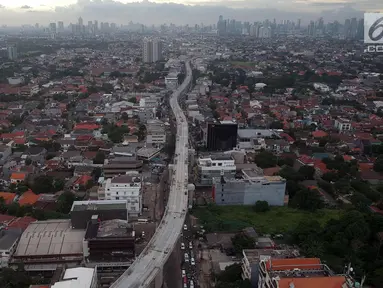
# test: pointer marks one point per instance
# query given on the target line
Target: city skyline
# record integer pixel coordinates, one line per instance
(178, 11)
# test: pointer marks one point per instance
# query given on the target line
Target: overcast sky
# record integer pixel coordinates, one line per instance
(15, 12)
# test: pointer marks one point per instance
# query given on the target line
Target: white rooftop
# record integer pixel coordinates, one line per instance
(79, 277)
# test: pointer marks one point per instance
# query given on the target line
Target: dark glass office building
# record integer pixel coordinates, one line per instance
(221, 136)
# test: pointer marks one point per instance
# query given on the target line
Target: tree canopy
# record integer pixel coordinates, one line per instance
(261, 206)
(265, 159)
(242, 241)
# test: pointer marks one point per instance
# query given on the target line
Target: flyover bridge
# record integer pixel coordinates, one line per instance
(149, 264)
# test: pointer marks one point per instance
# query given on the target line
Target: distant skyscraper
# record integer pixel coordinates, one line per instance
(60, 26)
(52, 28)
(95, 25)
(157, 50)
(299, 24)
(347, 28)
(147, 51)
(311, 29)
(12, 52)
(360, 32)
(80, 21)
(353, 28)
(265, 32)
(152, 50)
(254, 30)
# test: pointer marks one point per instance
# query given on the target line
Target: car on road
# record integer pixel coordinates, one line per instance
(186, 257)
(185, 227)
(190, 245)
(183, 273)
(185, 285)
(192, 262)
(191, 285)
(182, 246)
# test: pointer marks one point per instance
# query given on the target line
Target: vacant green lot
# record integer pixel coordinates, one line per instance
(277, 220)
(241, 63)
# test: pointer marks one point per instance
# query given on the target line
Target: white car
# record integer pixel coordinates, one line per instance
(186, 257)
(190, 245)
(182, 246)
(191, 284)
(183, 273)
(185, 227)
(192, 262)
(185, 285)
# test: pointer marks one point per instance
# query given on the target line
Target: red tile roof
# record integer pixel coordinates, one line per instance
(82, 180)
(86, 126)
(319, 134)
(313, 282)
(293, 263)
(8, 197)
(28, 198)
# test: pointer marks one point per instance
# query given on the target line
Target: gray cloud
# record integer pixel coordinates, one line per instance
(193, 11)
(25, 7)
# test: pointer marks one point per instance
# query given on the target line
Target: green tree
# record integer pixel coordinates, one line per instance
(42, 184)
(261, 206)
(99, 158)
(10, 278)
(58, 184)
(232, 273)
(265, 159)
(307, 199)
(28, 161)
(65, 202)
(307, 172)
(242, 241)
(276, 125)
(133, 100)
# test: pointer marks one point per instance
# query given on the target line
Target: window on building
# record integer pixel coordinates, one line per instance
(219, 164)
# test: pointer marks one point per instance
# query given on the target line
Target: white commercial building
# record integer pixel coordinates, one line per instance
(149, 102)
(171, 81)
(126, 187)
(79, 277)
(155, 132)
(215, 166)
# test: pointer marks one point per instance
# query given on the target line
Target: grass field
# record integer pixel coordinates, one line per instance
(277, 220)
(241, 63)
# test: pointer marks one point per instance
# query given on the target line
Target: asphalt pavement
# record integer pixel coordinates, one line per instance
(189, 257)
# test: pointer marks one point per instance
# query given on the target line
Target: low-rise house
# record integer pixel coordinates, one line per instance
(37, 154)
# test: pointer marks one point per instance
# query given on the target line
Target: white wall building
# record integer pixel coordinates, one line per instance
(155, 132)
(126, 187)
(342, 124)
(171, 81)
(215, 166)
(79, 277)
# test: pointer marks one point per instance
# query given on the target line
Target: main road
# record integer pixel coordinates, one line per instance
(151, 261)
